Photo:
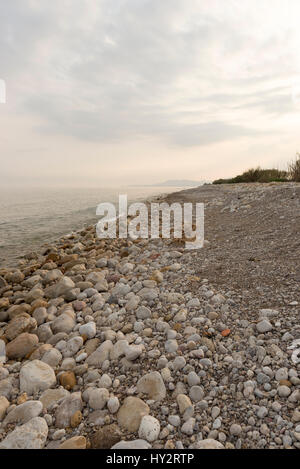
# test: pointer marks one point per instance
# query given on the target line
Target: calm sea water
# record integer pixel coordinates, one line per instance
(30, 218)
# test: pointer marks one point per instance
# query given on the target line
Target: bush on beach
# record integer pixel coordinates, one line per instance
(266, 175)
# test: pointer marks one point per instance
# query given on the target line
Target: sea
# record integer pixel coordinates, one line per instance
(32, 218)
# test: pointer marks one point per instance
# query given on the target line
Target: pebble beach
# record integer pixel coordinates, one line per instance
(122, 344)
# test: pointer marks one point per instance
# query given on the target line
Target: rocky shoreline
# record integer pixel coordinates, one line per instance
(121, 344)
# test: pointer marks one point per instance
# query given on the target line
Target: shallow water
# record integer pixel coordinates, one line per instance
(30, 218)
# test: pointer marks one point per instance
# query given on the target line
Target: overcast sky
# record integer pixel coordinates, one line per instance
(139, 91)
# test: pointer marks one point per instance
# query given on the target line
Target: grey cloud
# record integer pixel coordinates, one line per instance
(119, 78)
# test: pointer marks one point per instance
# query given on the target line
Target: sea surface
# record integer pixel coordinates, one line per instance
(31, 218)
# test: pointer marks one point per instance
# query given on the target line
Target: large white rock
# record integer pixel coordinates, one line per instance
(53, 396)
(207, 444)
(64, 323)
(62, 287)
(31, 435)
(52, 357)
(24, 412)
(88, 329)
(36, 376)
(135, 444)
(72, 346)
(66, 409)
(264, 326)
(98, 398)
(101, 354)
(152, 384)
(149, 428)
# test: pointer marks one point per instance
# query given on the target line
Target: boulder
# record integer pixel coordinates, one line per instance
(21, 346)
(152, 384)
(131, 413)
(36, 376)
(31, 435)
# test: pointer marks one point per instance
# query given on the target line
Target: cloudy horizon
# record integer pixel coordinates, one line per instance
(141, 91)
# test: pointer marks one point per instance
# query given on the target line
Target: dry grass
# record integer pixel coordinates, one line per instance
(294, 169)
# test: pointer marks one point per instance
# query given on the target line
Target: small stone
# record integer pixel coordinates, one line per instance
(76, 419)
(77, 442)
(21, 345)
(179, 363)
(24, 412)
(149, 428)
(131, 413)
(4, 404)
(68, 380)
(98, 398)
(196, 393)
(235, 429)
(105, 381)
(2, 352)
(20, 324)
(188, 426)
(171, 346)
(101, 354)
(264, 326)
(52, 357)
(133, 352)
(152, 384)
(262, 412)
(193, 379)
(113, 405)
(36, 376)
(215, 412)
(283, 391)
(67, 409)
(183, 402)
(106, 437)
(135, 444)
(58, 434)
(207, 444)
(88, 330)
(64, 323)
(52, 396)
(281, 374)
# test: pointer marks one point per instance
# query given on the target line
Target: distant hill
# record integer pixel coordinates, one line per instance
(179, 183)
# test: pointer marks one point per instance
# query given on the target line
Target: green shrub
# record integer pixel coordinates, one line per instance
(257, 175)
(294, 169)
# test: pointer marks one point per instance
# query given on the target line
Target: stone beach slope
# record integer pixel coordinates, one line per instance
(121, 344)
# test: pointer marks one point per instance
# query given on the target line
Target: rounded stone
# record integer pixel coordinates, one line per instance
(207, 444)
(98, 398)
(77, 442)
(68, 380)
(283, 391)
(21, 345)
(149, 428)
(36, 376)
(131, 413)
(31, 435)
(152, 384)
(235, 429)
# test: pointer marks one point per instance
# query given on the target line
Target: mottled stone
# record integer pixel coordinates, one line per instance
(131, 413)
(36, 376)
(31, 435)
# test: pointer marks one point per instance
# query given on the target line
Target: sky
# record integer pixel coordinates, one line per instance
(102, 92)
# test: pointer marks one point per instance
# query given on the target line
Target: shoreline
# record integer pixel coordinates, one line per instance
(120, 344)
(11, 262)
